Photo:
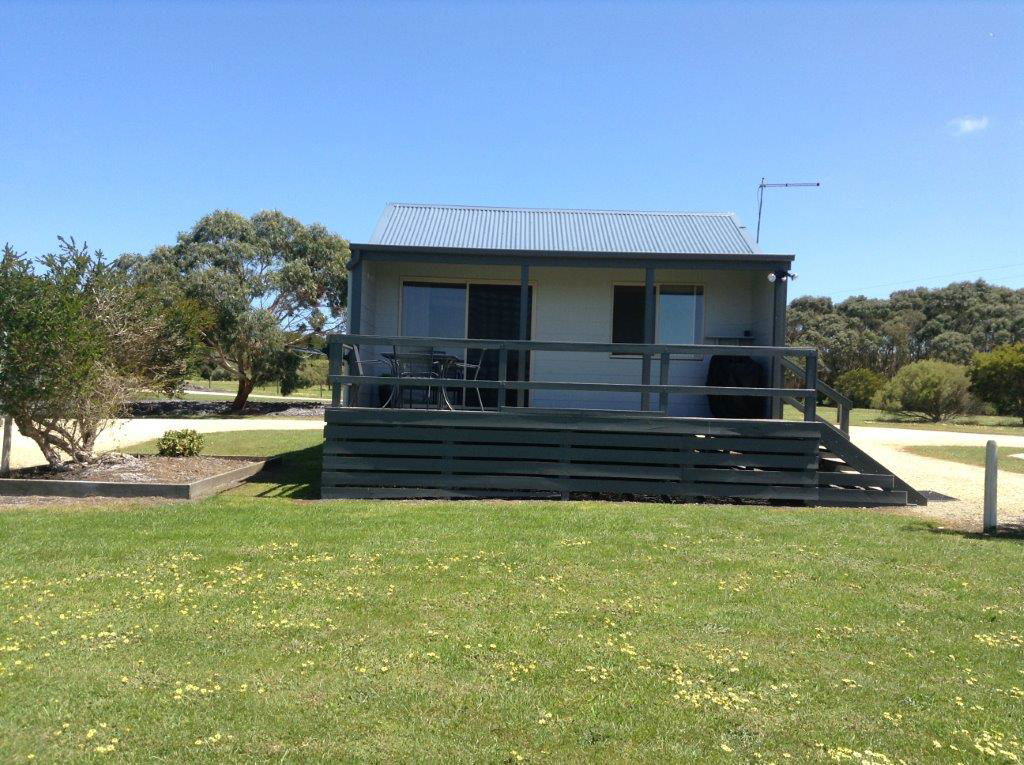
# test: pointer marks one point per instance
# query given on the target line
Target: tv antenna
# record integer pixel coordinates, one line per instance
(760, 197)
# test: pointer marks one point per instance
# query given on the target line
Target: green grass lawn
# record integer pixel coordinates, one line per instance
(230, 387)
(972, 455)
(876, 418)
(297, 475)
(254, 627)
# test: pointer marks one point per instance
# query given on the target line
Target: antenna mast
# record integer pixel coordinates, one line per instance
(760, 197)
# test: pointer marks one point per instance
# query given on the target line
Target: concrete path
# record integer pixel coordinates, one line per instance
(123, 433)
(954, 479)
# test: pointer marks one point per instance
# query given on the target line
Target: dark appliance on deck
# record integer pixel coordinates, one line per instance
(737, 372)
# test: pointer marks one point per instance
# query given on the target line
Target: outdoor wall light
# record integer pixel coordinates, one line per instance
(784, 275)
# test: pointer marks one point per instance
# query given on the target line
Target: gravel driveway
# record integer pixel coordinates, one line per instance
(954, 479)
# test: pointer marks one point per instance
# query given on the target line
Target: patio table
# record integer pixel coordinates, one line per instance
(440, 363)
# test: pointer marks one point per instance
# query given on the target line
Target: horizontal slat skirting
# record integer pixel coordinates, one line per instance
(529, 453)
(354, 435)
(389, 469)
(335, 456)
(547, 483)
(580, 421)
(555, 452)
(498, 469)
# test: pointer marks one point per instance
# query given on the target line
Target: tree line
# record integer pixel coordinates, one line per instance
(971, 334)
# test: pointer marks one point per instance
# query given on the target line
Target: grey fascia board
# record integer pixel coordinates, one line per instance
(569, 258)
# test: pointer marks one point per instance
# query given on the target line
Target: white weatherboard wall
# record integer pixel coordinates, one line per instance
(575, 305)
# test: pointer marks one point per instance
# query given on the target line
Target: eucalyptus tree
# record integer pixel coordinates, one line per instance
(267, 281)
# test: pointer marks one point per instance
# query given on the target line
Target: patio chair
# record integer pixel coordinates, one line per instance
(365, 368)
(414, 361)
(470, 371)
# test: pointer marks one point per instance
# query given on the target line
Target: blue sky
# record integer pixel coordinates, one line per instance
(123, 123)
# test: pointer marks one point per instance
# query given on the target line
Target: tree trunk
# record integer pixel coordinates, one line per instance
(245, 387)
(5, 450)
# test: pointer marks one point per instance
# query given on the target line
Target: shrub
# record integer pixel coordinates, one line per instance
(180, 443)
(860, 385)
(998, 378)
(929, 390)
(79, 341)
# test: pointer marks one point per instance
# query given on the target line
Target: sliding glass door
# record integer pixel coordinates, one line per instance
(433, 309)
(477, 311)
(494, 314)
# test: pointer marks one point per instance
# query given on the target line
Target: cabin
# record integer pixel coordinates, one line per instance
(531, 352)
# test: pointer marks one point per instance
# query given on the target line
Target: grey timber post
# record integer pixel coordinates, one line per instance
(355, 302)
(502, 375)
(778, 339)
(811, 381)
(524, 323)
(663, 380)
(990, 522)
(645, 370)
(334, 353)
(355, 310)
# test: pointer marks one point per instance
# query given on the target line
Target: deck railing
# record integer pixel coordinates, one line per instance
(340, 345)
(843, 403)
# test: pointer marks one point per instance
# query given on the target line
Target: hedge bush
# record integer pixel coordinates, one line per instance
(860, 385)
(929, 390)
(180, 443)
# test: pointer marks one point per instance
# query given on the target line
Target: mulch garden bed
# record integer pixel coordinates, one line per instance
(135, 476)
(126, 468)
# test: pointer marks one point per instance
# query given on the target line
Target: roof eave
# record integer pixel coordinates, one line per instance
(755, 259)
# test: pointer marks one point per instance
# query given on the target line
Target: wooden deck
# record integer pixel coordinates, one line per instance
(372, 453)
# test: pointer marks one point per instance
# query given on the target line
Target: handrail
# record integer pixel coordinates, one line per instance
(338, 342)
(557, 345)
(445, 382)
(843, 403)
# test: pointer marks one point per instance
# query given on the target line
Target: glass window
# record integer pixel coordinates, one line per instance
(628, 315)
(680, 315)
(433, 310)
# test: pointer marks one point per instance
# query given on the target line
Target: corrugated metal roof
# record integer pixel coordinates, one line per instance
(508, 228)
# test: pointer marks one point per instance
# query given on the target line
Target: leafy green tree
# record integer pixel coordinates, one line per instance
(268, 282)
(998, 378)
(929, 390)
(860, 385)
(843, 342)
(948, 324)
(952, 346)
(78, 341)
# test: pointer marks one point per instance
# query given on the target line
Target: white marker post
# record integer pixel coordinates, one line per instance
(989, 523)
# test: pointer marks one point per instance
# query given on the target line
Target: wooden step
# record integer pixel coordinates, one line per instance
(857, 480)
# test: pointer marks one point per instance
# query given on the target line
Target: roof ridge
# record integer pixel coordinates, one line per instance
(497, 208)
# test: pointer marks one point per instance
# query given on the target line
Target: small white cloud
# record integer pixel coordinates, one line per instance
(965, 125)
